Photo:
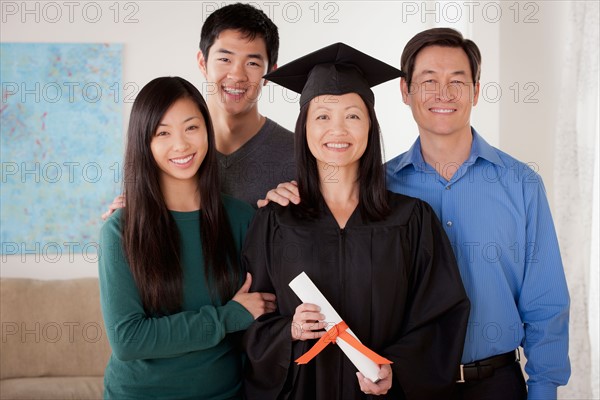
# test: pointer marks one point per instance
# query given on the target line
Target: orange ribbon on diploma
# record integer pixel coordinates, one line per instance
(340, 330)
(364, 359)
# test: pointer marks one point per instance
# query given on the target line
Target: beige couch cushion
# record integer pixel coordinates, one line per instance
(51, 329)
(81, 388)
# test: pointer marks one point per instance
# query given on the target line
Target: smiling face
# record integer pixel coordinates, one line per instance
(337, 130)
(234, 71)
(442, 93)
(180, 143)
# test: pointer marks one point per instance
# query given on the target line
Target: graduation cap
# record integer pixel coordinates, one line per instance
(336, 69)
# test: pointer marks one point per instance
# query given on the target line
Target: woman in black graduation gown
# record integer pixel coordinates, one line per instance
(381, 259)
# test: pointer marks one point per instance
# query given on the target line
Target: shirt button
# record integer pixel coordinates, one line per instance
(448, 187)
(449, 223)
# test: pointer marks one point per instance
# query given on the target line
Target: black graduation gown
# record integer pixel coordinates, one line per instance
(394, 282)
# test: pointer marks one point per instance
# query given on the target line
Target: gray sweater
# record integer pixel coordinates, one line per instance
(263, 162)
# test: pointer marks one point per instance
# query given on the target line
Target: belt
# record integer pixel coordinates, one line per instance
(485, 368)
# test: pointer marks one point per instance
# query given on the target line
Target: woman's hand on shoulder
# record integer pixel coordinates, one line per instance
(282, 195)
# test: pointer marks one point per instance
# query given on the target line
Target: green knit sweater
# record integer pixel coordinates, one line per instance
(187, 355)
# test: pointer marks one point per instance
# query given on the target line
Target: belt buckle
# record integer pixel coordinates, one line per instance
(462, 374)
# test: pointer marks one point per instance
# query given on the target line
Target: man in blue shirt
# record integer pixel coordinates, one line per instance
(495, 212)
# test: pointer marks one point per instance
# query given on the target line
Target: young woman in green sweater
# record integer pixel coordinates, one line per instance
(170, 278)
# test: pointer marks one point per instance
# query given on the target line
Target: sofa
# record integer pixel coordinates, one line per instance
(54, 344)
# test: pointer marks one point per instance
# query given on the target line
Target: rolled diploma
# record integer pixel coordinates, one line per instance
(306, 290)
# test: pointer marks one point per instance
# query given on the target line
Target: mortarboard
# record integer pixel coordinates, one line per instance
(336, 69)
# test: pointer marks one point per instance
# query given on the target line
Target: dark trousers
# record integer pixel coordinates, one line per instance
(507, 383)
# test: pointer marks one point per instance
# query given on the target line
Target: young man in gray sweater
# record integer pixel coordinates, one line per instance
(239, 44)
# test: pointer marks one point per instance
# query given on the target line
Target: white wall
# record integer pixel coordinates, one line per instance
(534, 56)
(161, 38)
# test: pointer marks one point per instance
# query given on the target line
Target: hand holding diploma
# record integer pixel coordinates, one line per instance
(308, 322)
(365, 360)
(381, 387)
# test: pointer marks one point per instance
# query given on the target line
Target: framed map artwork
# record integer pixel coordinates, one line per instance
(61, 147)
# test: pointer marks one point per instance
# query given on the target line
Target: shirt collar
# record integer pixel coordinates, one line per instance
(479, 148)
(412, 157)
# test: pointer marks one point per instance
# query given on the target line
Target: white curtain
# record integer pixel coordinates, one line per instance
(576, 199)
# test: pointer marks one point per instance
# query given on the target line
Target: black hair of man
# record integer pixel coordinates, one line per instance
(444, 37)
(248, 20)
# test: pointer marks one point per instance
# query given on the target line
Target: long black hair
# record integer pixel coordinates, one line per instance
(373, 203)
(150, 236)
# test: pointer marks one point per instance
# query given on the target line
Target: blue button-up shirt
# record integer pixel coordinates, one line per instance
(496, 214)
